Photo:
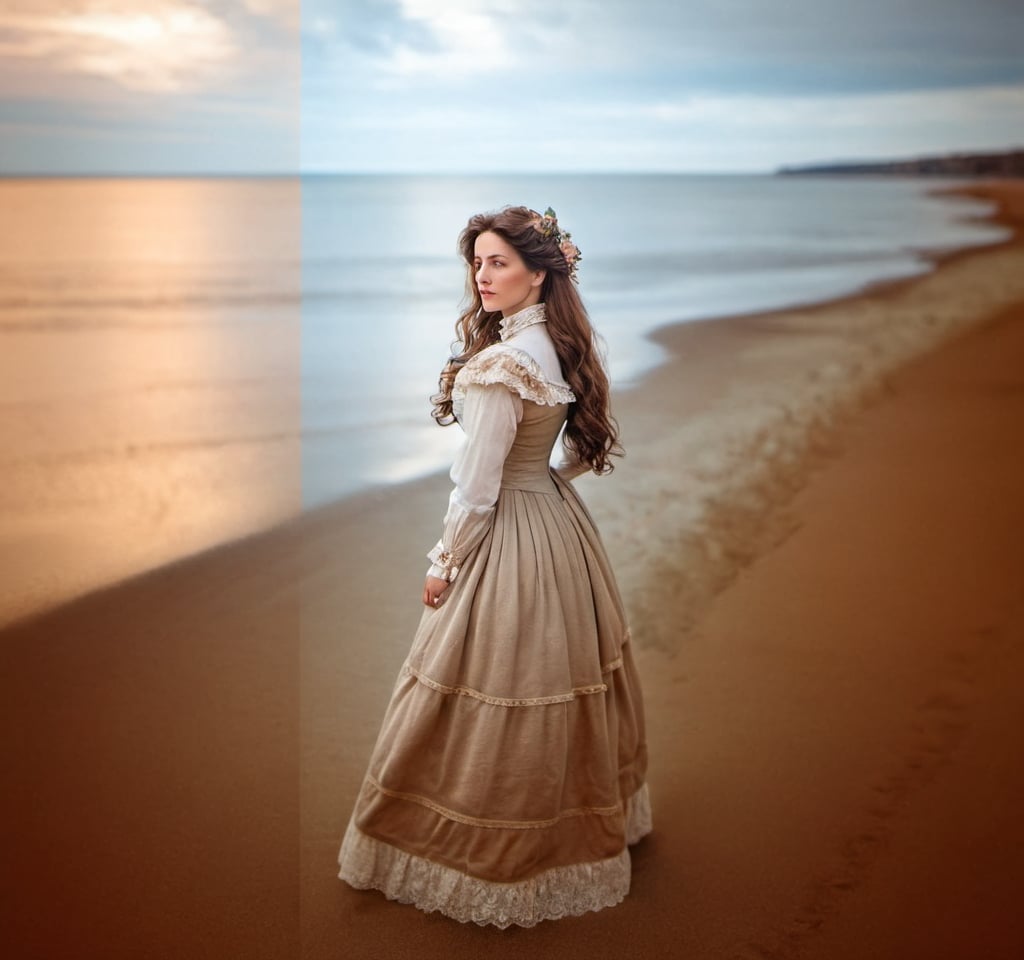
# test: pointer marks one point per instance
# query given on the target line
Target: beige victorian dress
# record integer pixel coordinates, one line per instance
(508, 778)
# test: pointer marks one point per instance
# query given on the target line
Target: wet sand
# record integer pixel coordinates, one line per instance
(818, 533)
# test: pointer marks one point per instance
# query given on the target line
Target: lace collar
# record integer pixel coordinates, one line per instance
(510, 326)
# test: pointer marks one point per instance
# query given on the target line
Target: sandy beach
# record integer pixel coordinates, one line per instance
(818, 533)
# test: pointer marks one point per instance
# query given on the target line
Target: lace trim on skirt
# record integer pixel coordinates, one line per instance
(567, 891)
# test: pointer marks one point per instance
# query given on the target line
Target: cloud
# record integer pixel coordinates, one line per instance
(219, 77)
(384, 44)
(151, 46)
(285, 12)
(521, 84)
(158, 45)
(704, 45)
(701, 132)
(655, 84)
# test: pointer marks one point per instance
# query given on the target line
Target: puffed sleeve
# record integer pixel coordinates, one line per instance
(490, 416)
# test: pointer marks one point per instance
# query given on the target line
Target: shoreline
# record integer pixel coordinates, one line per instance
(665, 335)
(768, 393)
(823, 582)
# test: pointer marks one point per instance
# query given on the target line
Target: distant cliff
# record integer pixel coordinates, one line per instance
(1006, 164)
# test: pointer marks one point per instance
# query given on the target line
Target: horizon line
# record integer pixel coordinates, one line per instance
(250, 174)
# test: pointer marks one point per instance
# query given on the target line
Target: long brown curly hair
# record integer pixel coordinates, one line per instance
(591, 433)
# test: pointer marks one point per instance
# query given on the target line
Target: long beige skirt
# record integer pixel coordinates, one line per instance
(508, 778)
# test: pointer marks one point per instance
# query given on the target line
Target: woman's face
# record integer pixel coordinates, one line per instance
(504, 281)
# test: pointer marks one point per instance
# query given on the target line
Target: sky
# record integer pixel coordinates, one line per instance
(459, 86)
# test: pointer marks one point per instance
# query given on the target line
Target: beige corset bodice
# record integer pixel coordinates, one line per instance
(545, 409)
(527, 464)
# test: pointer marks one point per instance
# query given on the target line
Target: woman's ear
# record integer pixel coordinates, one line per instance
(538, 277)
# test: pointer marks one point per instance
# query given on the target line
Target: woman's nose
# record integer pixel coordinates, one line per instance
(481, 274)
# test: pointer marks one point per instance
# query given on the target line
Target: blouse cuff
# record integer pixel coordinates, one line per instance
(444, 565)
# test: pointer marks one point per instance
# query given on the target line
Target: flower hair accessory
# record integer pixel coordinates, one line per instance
(546, 224)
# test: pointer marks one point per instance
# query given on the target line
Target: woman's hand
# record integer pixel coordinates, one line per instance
(432, 591)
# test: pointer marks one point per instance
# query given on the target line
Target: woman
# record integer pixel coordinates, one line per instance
(508, 778)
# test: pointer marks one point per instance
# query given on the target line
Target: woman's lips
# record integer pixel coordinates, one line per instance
(486, 293)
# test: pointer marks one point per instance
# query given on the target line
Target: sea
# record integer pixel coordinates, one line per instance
(186, 361)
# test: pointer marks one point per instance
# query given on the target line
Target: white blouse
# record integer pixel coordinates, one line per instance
(487, 399)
